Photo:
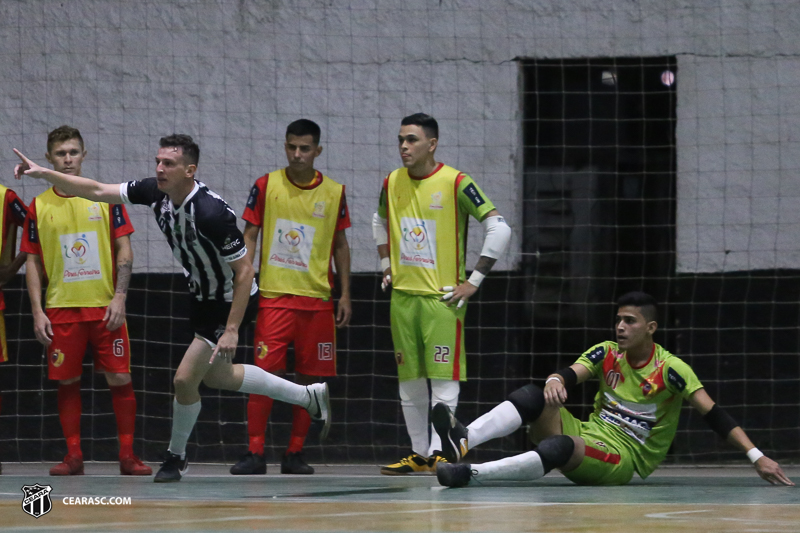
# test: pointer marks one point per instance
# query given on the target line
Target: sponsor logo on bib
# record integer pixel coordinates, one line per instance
(291, 245)
(81, 257)
(418, 242)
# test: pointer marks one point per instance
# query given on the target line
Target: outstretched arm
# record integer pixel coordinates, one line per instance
(725, 426)
(74, 185)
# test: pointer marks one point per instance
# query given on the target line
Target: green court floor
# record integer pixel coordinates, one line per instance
(358, 498)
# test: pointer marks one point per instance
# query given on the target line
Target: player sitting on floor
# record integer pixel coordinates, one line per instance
(636, 411)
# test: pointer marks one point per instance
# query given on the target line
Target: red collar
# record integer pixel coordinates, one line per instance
(435, 170)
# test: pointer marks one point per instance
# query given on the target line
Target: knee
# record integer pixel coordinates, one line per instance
(445, 391)
(529, 401)
(413, 390)
(117, 380)
(182, 384)
(556, 451)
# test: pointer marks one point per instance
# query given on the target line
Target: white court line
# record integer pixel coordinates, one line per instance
(671, 514)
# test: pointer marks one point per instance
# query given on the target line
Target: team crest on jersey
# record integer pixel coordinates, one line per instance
(654, 383)
(261, 350)
(319, 209)
(436, 201)
(94, 212)
(57, 357)
(36, 500)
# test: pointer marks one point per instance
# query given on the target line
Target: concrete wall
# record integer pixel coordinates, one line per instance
(234, 73)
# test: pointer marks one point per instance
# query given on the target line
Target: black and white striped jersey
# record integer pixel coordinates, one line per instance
(202, 234)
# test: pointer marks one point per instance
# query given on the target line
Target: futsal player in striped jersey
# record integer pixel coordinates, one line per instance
(12, 217)
(420, 229)
(82, 250)
(201, 230)
(636, 410)
(301, 215)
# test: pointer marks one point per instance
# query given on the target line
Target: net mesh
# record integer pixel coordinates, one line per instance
(667, 163)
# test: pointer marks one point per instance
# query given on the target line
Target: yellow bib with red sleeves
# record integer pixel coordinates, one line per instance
(75, 238)
(424, 231)
(297, 237)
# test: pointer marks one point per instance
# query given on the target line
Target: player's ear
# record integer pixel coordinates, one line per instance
(652, 326)
(318, 151)
(434, 144)
(190, 170)
(47, 156)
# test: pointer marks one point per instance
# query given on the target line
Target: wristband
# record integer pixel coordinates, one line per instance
(552, 378)
(385, 263)
(754, 454)
(569, 377)
(476, 278)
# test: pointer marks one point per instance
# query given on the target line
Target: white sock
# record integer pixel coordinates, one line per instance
(442, 391)
(415, 404)
(184, 418)
(524, 467)
(501, 421)
(257, 381)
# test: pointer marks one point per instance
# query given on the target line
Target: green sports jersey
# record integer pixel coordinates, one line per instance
(639, 408)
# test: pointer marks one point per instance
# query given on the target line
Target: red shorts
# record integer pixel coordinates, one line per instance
(313, 334)
(3, 345)
(112, 351)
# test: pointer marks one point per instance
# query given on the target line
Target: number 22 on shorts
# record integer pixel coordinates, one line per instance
(441, 354)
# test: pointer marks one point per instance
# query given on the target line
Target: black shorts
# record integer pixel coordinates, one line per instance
(209, 318)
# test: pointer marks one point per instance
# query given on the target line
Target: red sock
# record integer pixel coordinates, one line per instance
(258, 409)
(69, 412)
(124, 402)
(301, 421)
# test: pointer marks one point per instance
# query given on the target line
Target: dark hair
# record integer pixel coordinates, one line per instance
(426, 122)
(191, 152)
(301, 127)
(63, 134)
(642, 300)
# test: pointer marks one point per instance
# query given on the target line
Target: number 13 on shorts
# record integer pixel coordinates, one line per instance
(325, 351)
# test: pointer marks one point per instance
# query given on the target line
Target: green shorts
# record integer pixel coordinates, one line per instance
(428, 338)
(603, 463)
